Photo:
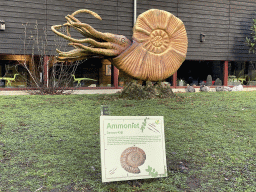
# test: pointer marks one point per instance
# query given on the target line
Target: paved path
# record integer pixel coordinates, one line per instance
(108, 91)
(91, 91)
(13, 93)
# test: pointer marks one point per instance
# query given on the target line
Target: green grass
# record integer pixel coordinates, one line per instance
(51, 143)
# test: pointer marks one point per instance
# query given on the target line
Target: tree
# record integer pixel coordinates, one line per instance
(59, 74)
(251, 42)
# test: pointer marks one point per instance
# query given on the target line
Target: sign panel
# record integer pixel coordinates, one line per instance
(132, 147)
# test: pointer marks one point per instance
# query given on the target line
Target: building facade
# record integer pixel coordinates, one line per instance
(216, 32)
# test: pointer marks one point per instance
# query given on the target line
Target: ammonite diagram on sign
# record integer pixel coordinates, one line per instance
(132, 158)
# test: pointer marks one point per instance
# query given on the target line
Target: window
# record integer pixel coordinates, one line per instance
(12, 74)
(241, 73)
(195, 73)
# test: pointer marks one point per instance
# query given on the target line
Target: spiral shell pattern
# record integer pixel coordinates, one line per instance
(159, 47)
(132, 158)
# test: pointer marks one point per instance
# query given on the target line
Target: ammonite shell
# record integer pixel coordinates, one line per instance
(132, 158)
(159, 47)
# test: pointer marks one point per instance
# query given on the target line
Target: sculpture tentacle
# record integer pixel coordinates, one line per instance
(54, 29)
(95, 43)
(75, 54)
(82, 30)
(94, 32)
(105, 52)
(86, 11)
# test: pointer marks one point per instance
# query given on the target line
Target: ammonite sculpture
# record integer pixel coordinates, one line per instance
(158, 48)
(132, 158)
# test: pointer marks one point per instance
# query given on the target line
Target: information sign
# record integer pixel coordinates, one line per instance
(132, 147)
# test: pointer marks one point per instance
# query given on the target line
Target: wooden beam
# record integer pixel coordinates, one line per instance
(15, 57)
(174, 80)
(46, 70)
(225, 74)
(115, 77)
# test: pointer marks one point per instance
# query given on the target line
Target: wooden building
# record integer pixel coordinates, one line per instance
(216, 32)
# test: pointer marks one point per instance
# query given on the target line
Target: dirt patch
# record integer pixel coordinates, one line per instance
(193, 183)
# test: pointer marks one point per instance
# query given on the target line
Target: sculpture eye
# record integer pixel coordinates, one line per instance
(123, 40)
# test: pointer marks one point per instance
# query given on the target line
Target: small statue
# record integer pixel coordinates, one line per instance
(204, 88)
(190, 88)
(218, 82)
(209, 80)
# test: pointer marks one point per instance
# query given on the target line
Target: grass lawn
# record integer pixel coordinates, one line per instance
(52, 143)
